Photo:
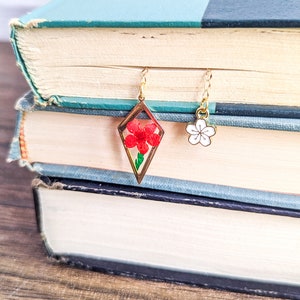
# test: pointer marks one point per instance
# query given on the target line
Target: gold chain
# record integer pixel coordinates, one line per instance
(141, 96)
(203, 112)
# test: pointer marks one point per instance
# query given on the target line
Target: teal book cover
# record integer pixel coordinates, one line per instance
(168, 13)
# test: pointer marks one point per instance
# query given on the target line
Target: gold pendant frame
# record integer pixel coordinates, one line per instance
(140, 109)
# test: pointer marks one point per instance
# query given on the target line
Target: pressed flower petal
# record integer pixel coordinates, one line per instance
(130, 141)
(205, 140)
(143, 148)
(133, 126)
(141, 135)
(209, 131)
(194, 139)
(200, 125)
(153, 139)
(191, 129)
(150, 128)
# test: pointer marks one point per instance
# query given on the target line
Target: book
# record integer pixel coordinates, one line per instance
(260, 164)
(172, 237)
(91, 50)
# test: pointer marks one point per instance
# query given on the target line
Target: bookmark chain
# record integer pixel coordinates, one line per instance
(140, 133)
(203, 111)
(143, 82)
(200, 131)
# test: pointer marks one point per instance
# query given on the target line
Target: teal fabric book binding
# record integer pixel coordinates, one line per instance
(92, 151)
(73, 52)
(151, 234)
(168, 13)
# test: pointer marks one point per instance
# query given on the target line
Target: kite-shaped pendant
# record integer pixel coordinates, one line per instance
(141, 135)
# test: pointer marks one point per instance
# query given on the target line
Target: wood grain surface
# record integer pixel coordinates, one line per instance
(25, 270)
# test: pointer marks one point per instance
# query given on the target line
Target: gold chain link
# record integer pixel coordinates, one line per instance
(203, 111)
(141, 96)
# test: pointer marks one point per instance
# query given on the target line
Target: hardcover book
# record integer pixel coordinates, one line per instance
(261, 164)
(173, 237)
(77, 52)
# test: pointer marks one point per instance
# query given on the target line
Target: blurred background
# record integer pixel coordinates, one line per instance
(13, 9)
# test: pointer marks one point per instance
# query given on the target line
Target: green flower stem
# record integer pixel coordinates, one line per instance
(139, 160)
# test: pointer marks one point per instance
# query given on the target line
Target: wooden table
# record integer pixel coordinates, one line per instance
(25, 270)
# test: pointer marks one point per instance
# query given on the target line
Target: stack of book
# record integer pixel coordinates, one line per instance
(223, 216)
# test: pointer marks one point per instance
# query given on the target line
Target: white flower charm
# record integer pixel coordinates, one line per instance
(200, 133)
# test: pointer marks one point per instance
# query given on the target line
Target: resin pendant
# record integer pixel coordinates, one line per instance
(141, 134)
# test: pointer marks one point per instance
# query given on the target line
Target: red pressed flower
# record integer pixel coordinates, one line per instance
(140, 136)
